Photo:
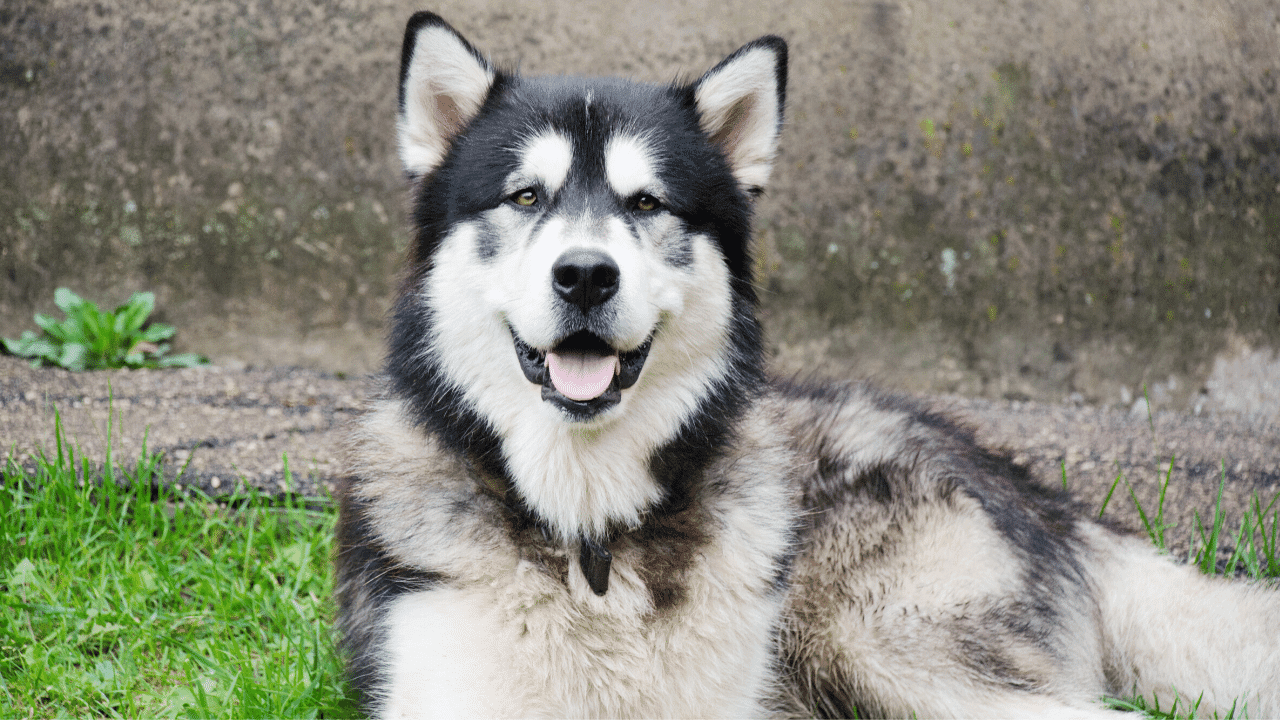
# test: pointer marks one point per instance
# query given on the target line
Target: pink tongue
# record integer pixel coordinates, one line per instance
(582, 376)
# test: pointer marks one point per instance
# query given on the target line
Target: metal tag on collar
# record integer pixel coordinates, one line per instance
(595, 560)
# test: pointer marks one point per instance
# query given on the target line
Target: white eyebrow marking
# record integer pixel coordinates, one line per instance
(544, 158)
(631, 167)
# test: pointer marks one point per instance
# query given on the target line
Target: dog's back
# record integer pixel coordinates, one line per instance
(940, 579)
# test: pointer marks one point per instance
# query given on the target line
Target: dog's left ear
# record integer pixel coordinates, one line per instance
(740, 104)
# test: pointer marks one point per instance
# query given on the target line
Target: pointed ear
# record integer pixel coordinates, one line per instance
(740, 103)
(443, 83)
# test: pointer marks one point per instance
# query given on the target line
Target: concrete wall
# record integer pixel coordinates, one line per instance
(990, 197)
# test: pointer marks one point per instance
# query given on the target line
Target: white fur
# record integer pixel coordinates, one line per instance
(1150, 606)
(513, 651)
(445, 87)
(631, 167)
(447, 657)
(545, 159)
(738, 104)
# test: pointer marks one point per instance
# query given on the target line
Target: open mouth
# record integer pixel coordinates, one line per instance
(582, 374)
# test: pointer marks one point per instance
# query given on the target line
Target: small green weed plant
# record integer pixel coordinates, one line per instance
(92, 339)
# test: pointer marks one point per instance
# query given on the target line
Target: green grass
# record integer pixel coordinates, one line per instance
(1153, 709)
(1253, 553)
(1254, 546)
(123, 597)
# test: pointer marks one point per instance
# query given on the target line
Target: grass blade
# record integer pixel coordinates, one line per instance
(1107, 500)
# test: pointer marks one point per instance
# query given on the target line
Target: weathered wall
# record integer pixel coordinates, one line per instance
(989, 197)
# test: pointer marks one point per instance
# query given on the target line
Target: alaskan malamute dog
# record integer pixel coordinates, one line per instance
(578, 495)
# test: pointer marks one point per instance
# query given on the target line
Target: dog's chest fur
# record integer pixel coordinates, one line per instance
(686, 627)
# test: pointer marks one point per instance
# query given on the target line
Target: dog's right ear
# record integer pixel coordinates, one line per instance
(443, 83)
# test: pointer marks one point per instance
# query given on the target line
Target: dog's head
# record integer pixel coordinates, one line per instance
(582, 244)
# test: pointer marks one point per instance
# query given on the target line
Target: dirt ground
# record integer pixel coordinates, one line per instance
(226, 427)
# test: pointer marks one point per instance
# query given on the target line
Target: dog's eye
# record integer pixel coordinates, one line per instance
(646, 203)
(525, 198)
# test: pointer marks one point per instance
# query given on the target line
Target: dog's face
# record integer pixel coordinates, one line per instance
(581, 243)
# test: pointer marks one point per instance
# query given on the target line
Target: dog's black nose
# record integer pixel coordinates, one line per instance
(586, 278)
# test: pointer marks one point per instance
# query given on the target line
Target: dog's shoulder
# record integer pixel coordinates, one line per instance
(429, 506)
